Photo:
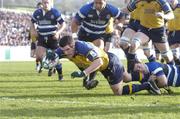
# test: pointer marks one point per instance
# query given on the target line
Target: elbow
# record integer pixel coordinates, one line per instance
(170, 16)
(100, 62)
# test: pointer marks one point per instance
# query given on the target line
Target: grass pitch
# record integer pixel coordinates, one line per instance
(25, 94)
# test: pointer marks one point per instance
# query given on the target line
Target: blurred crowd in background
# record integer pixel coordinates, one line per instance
(15, 29)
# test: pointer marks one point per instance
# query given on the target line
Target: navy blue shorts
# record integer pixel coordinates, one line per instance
(47, 42)
(108, 37)
(157, 35)
(88, 37)
(174, 37)
(134, 24)
(114, 72)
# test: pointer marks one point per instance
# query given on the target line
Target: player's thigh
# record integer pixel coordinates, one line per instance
(129, 33)
(142, 37)
(162, 46)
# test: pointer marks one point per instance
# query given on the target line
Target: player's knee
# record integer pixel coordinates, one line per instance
(147, 52)
(124, 42)
(136, 42)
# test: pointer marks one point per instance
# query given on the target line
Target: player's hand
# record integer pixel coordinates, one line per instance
(159, 14)
(78, 74)
(56, 36)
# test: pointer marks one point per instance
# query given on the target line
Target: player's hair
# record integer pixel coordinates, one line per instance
(66, 40)
(39, 4)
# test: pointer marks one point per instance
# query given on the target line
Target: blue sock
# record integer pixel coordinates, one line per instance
(59, 68)
(132, 88)
(92, 75)
(137, 76)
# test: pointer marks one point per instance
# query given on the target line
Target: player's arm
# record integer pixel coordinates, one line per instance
(61, 27)
(168, 13)
(78, 19)
(96, 64)
(61, 24)
(74, 26)
(130, 7)
(33, 31)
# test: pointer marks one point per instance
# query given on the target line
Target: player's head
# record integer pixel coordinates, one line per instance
(140, 67)
(47, 4)
(67, 45)
(99, 4)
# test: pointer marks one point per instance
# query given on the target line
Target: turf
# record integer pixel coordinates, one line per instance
(25, 94)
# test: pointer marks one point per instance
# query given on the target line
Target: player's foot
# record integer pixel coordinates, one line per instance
(50, 72)
(39, 68)
(168, 89)
(90, 84)
(60, 77)
(153, 88)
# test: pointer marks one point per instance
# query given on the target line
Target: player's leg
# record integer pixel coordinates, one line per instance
(40, 53)
(148, 51)
(138, 39)
(166, 53)
(115, 74)
(53, 45)
(120, 89)
(174, 42)
(159, 39)
(108, 42)
(33, 53)
(126, 39)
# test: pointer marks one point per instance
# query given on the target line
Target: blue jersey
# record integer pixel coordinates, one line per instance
(95, 22)
(172, 72)
(47, 23)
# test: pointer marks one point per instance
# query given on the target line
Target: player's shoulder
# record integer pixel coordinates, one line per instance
(153, 65)
(83, 47)
(87, 6)
(110, 6)
(83, 44)
(38, 11)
